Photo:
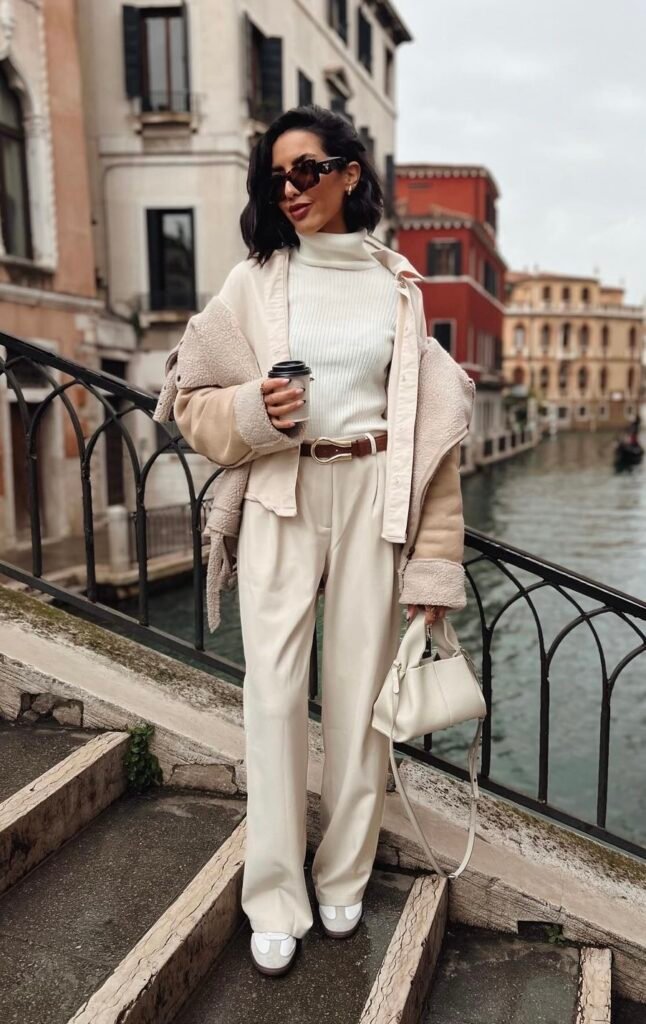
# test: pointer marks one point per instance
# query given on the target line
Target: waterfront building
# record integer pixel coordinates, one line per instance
(576, 346)
(47, 285)
(175, 94)
(447, 222)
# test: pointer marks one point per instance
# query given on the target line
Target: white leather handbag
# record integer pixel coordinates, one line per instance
(422, 695)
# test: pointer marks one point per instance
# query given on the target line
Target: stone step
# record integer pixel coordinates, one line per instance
(27, 750)
(484, 976)
(37, 819)
(66, 926)
(330, 980)
(595, 984)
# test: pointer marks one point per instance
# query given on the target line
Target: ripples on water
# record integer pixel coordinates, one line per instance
(564, 503)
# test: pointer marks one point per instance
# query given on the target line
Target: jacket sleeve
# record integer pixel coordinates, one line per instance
(231, 425)
(434, 573)
(213, 391)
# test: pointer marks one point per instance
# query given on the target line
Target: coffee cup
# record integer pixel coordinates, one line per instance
(299, 376)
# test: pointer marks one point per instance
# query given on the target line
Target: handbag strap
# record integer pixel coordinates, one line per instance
(473, 779)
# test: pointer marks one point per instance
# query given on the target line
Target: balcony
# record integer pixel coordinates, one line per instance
(168, 111)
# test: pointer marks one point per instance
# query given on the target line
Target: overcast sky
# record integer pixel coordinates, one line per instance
(551, 97)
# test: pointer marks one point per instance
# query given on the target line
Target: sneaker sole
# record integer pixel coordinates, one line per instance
(341, 935)
(273, 970)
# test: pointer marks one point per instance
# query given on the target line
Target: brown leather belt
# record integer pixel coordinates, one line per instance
(334, 450)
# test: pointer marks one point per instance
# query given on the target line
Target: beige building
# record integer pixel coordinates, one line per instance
(174, 95)
(576, 346)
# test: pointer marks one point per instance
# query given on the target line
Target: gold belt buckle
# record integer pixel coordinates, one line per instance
(332, 458)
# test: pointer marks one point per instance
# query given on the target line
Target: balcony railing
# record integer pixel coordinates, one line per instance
(606, 626)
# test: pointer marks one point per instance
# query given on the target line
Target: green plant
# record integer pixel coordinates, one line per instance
(554, 934)
(142, 767)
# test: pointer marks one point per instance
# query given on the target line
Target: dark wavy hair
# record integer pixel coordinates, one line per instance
(264, 228)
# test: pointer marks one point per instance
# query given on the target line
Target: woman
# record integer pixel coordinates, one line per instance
(347, 513)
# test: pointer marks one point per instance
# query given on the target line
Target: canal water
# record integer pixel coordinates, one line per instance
(564, 502)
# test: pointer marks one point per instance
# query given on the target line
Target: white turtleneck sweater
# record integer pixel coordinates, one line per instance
(342, 313)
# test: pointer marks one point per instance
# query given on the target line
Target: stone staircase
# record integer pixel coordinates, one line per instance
(122, 909)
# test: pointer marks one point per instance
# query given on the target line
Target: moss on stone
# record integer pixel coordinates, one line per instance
(59, 625)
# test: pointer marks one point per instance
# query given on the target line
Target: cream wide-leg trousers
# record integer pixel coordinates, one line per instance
(336, 534)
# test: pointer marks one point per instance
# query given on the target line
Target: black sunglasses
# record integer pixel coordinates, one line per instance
(305, 175)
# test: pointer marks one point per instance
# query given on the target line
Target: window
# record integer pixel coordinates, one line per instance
(582, 412)
(583, 379)
(171, 259)
(547, 293)
(155, 43)
(602, 412)
(603, 379)
(14, 199)
(443, 332)
(490, 210)
(630, 379)
(264, 74)
(519, 337)
(519, 375)
(389, 185)
(563, 377)
(364, 40)
(338, 101)
(584, 339)
(367, 140)
(337, 16)
(305, 90)
(605, 340)
(497, 353)
(566, 334)
(490, 279)
(585, 296)
(544, 380)
(443, 259)
(565, 295)
(545, 339)
(632, 340)
(563, 412)
(389, 71)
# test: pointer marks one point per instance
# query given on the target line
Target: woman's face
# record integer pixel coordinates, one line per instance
(319, 208)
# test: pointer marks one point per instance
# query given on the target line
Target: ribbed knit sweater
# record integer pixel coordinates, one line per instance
(342, 314)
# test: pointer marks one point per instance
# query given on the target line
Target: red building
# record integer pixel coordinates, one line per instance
(446, 227)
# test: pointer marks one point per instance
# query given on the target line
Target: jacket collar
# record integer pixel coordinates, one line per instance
(393, 261)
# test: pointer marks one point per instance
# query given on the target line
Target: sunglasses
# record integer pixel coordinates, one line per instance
(305, 175)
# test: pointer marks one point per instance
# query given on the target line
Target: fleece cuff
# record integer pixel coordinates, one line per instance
(253, 422)
(435, 581)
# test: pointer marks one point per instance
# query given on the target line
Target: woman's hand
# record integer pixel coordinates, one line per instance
(432, 612)
(280, 400)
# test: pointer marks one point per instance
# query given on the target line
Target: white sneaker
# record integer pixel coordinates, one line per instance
(272, 952)
(341, 922)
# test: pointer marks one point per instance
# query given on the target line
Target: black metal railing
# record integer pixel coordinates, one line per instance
(96, 410)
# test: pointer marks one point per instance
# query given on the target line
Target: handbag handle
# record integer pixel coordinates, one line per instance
(450, 642)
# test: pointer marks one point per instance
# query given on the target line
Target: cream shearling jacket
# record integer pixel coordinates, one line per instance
(212, 389)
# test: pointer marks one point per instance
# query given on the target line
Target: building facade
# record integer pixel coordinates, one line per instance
(174, 97)
(47, 283)
(447, 222)
(574, 344)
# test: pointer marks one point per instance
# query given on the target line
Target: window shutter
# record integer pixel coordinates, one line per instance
(271, 75)
(187, 64)
(389, 193)
(431, 254)
(457, 258)
(155, 258)
(132, 49)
